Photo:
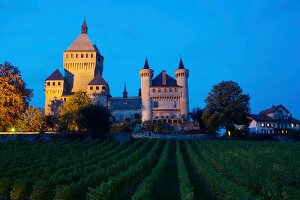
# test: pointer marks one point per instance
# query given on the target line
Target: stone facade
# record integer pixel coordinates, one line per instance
(164, 98)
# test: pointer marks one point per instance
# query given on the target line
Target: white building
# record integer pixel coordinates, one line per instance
(273, 120)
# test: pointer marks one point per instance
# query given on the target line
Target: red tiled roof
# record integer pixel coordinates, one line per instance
(82, 43)
(272, 110)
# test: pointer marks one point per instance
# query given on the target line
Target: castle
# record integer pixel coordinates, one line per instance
(162, 98)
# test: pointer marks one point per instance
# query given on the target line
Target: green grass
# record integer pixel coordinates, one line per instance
(149, 169)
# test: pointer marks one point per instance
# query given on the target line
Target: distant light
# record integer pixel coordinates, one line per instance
(12, 129)
(229, 133)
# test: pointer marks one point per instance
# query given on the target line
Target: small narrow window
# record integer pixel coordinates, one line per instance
(76, 55)
(67, 56)
(87, 55)
(91, 88)
(174, 104)
(103, 87)
(97, 87)
(154, 90)
(155, 104)
(92, 55)
(65, 99)
(71, 55)
(48, 83)
(58, 83)
(53, 83)
(82, 55)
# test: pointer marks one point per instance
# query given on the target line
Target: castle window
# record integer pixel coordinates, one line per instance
(67, 56)
(165, 89)
(91, 88)
(154, 90)
(65, 99)
(53, 83)
(155, 104)
(58, 83)
(71, 55)
(103, 87)
(170, 90)
(159, 90)
(82, 55)
(174, 104)
(92, 55)
(48, 83)
(262, 125)
(76, 55)
(97, 87)
(87, 55)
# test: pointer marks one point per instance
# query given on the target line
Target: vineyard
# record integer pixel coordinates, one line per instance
(149, 169)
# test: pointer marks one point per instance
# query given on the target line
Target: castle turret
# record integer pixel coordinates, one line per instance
(146, 75)
(182, 75)
(125, 93)
(82, 61)
(54, 89)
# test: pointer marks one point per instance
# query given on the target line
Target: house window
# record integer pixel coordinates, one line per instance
(48, 83)
(53, 83)
(58, 83)
(97, 87)
(155, 104)
(91, 88)
(82, 55)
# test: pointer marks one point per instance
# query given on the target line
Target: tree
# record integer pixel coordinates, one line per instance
(196, 115)
(94, 118)
(14, 96)
(32, 120)
(227, 106)
(68, 113)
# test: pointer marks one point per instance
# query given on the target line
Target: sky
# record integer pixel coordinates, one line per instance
(255, 43)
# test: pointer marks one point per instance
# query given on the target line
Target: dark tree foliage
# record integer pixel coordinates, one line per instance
(227, 106)
(14, 96)
(196, 115)
(94, 118)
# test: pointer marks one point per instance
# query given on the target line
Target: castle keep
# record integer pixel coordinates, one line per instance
(162, 98)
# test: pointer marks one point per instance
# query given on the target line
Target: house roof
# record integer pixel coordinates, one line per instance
(82, 43)
(132, 103)
(272, 110)
(98, 80)
(261, 118)
(56, 75)
(293, 120)
(158, 80)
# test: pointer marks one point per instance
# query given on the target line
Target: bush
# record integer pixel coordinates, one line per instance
(20, 190)
(5, 186)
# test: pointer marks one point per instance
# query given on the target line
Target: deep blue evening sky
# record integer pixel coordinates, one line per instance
(253, 42)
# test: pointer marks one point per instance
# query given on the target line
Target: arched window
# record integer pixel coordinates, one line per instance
(82, 55)
(67, 56)
(76, 55)
(87, 55)
(71, 55)
(92, 55)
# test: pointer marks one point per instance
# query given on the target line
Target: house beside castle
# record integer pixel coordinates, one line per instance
(276, 119)
(162, 98)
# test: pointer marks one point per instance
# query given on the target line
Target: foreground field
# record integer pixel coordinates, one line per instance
(149, 169)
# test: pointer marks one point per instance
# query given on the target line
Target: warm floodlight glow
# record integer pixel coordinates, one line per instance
(12, 129)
